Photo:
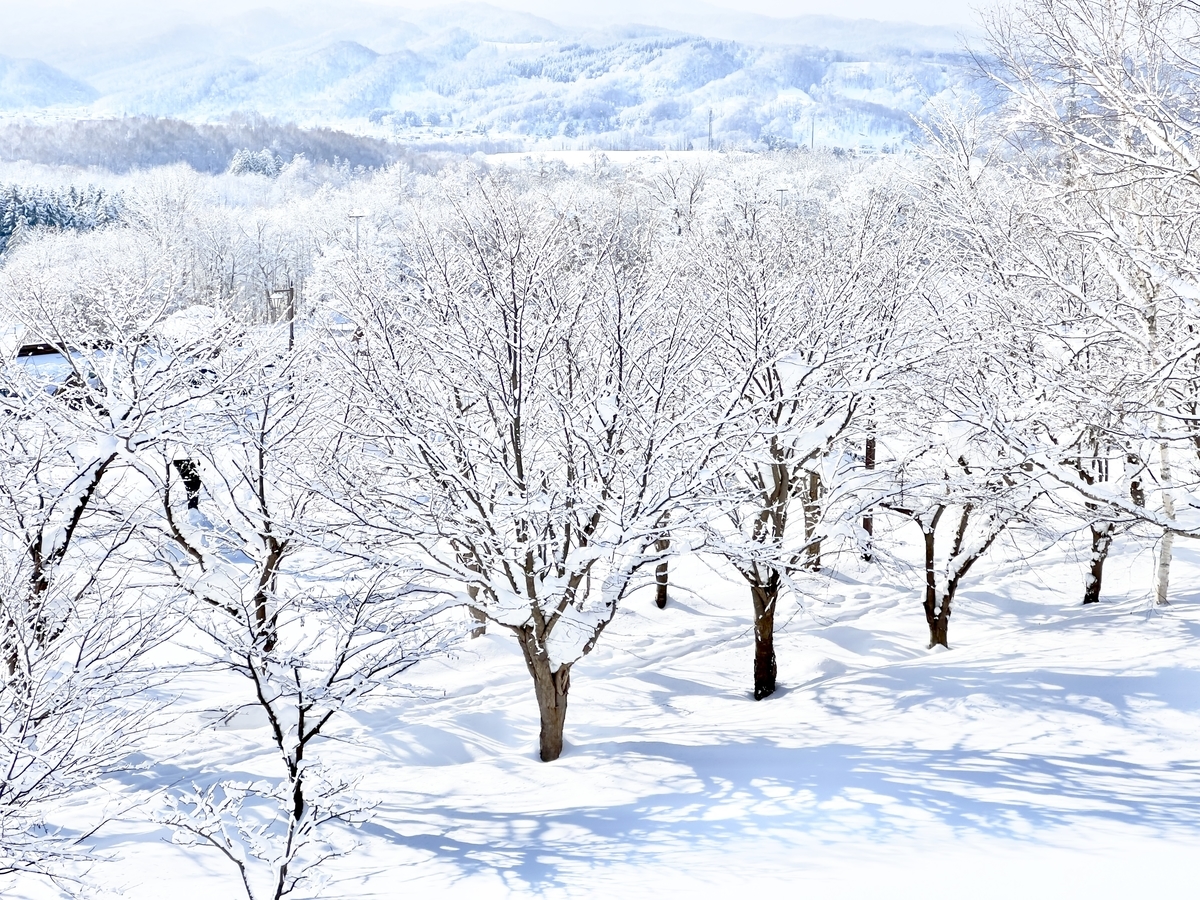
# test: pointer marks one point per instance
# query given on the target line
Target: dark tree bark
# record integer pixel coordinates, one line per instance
(765, 596)
(1102, 537)
(1102, 532)
(45, 555)
(812, 515)
(1137, 493)
(939, 627)
(868, 521)
(189, 472)
(550, 687)
(661, 573)
(938, 601)
(478, 619)
(937, 614)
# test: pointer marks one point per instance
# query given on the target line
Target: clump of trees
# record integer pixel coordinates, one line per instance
(264, 162)
(80, 209)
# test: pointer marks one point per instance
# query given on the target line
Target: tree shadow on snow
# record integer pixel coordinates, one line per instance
(742, 788)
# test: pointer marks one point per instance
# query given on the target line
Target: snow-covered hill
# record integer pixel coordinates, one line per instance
(461, 73)
(29, 83)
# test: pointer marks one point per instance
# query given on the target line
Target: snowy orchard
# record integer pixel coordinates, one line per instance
(309, 436)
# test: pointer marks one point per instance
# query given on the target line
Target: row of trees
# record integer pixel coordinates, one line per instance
(524, 392)
(72, 208)
(133, 143)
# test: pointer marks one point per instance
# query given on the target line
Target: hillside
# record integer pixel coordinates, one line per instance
(29, 83)
(475, 72)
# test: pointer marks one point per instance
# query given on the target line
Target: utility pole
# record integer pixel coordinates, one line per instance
(812, 134)
(272, 306)
(710, 131)
(781, 191)
(356, 215)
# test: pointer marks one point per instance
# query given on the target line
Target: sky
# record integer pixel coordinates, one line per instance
(930, 12)
(69, 33)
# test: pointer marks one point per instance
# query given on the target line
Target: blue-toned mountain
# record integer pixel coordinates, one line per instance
(30, 83)
(459, 75)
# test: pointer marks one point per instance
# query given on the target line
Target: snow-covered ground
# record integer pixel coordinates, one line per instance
(1053, 752)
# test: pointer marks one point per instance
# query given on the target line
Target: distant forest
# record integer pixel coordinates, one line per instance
(79, 209)
(142, 142)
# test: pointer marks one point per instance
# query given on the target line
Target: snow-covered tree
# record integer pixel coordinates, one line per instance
(282, 600)
(1101, 129)
(262, 162)
(526, 376)
(805, 305)
(85, 399)
(940, 464)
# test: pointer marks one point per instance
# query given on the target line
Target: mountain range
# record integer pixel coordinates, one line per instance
(462, 74)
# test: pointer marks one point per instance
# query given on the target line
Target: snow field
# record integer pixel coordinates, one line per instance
(1050, 752)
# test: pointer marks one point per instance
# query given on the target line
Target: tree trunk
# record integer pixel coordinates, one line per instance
(1168, 540)
(189, 473)
(1163, 570)
(1102, 536)
(478, 623)
(550, 687)
(812, 514)
(765, 596)
(1137, 493)
(939, 626)
(937, 614)
(478, 617)
(868, 521)
(662, 545)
